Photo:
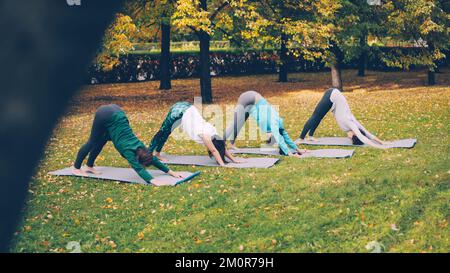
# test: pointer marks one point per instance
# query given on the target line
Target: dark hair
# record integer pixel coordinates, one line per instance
(356, 140)
(271, 141)
(281, 152)
(220, 146)
(144, 157)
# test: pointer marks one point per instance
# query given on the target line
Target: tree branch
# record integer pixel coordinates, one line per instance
(226, 33)
(264, 3)
(193, 29)
(275, 14)
(218, 10)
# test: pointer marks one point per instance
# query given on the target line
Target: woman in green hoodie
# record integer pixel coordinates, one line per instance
(111, 123)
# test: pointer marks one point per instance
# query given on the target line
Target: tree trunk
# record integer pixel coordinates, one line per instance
(363, 57)
(165, 58)
(205, 64)
(336, 66)
(283, 73)
(336, 77)
(431, 77)
(431, 70)
(205, 74)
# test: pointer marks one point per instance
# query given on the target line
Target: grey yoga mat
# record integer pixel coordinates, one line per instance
(128, 175)
(323, 153)
(344, 141)
(197, 160)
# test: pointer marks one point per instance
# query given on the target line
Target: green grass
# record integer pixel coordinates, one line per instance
(180, 51)
(397, 197)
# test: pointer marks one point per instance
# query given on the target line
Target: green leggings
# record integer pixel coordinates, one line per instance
(170, 123)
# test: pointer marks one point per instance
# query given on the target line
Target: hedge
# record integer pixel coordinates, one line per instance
(145, 67)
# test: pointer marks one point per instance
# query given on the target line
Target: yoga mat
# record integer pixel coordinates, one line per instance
(128, 175)
(197, 160)
(323, 153)
(344, 141)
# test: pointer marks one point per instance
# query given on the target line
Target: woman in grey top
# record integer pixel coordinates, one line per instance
(334, 100)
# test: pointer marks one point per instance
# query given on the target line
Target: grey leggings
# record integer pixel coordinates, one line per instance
(98, 137)
(241, 113)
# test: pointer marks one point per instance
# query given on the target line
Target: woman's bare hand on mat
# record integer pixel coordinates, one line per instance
(79, 172)
(176, 174)
(92, 170)
(301, 151)
(239, 161)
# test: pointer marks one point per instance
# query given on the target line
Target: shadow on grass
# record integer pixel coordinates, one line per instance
(414, 213)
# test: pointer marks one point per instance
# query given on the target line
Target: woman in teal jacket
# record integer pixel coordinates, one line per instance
(111, 123)
(251, 103)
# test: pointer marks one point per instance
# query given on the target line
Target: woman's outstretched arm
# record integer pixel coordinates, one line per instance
(211, 148)
(363, 138)
(368, 134)
(232, 158)
(163, 167)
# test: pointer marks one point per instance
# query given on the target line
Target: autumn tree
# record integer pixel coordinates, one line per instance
(299, 28)
(203, 17)
(370, 18)
(352, 23)
(116, 42)
(425, 23)
(154, 19)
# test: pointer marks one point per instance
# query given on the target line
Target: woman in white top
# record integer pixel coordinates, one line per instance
(335, 101)
(193, 124)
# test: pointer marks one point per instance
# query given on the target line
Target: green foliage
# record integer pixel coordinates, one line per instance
(142, 24)
(149, 15)
(356, 20)
(190, 14)
(309, 27)
(304, 24)
(423, 22)
(203, 15)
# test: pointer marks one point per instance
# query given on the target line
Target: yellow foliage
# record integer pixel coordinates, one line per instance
(117, 41)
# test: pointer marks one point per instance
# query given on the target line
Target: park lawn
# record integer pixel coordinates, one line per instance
(398, 197)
